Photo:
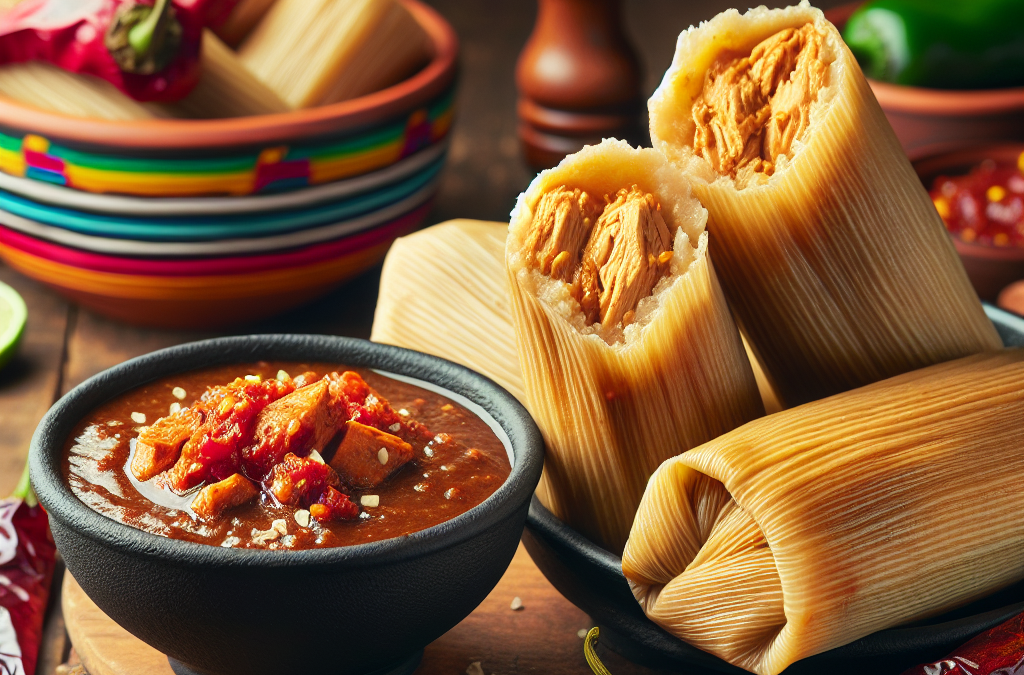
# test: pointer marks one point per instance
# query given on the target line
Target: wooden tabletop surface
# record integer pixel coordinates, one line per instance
(65, 344)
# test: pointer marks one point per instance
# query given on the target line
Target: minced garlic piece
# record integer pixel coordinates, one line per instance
(752, 108)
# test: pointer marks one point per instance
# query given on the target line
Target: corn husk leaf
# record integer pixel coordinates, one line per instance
(314, 52)
(225, 89)
(811, 528)
(443, 292)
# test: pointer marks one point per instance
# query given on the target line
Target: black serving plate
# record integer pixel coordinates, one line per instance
(591, 578)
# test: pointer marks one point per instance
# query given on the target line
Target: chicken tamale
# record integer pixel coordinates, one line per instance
(838, 268)
(628, 351)
(816, 526)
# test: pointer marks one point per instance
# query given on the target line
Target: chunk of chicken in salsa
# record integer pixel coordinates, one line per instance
(271, 461)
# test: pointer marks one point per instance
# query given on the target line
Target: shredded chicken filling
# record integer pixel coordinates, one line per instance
(611, 252)
(752, 108)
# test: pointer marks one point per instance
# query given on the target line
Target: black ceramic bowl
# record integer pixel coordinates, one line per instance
(358, 609)
(591, 578)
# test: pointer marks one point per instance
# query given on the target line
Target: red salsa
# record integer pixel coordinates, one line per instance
(986, 206)
(283, 456)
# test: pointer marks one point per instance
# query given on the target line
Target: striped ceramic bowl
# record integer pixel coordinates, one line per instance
(208, 222)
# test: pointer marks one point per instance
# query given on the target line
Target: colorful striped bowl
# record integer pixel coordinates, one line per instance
(238, 156)
(188, 224)
(201, 292)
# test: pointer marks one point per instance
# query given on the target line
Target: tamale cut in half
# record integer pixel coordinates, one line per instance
(816, 526)
(829, 250)
(628, 352)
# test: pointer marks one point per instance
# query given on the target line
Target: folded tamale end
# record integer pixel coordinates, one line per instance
(313, 52)
(226, 88)
(833, 515)
(398, 49)
(443, 292)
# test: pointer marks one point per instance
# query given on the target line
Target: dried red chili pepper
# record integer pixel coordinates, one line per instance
(26, 568)
(998, 651)
(149, 49)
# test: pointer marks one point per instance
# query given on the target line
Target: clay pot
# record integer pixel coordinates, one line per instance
(926, 117)
(990, 268)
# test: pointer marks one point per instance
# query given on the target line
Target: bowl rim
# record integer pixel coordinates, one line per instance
(46, 451)
(278, 128)
(954, 102)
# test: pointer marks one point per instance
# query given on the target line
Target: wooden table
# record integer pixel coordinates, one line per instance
(65, 344)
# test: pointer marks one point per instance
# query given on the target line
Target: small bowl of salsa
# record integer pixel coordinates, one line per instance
(270, 504)
(979, 193)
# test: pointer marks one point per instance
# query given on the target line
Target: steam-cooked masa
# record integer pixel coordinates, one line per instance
(753, 108)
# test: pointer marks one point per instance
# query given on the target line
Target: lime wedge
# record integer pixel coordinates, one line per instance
(12, 322)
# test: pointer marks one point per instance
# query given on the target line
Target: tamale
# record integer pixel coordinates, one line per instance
(628, 351)
(242, 19)
(44, 86)
(443, 291)
(816, 526)
(225, 89)
(313, 52)
(829, 250)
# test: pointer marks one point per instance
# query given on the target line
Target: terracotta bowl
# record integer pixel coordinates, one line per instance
(207, 223)
(350, 610)
(990, 268)
(238, 156)
(925, 117)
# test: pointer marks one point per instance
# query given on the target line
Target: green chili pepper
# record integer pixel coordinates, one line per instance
(942, 44)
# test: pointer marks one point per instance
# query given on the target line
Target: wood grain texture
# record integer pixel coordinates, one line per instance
(30, 381)
(103, 646)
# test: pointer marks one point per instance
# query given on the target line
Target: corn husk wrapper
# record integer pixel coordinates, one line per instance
(242, 20)
(443, 292)
(44, 86)
(225, 89)
(811, 528)
(612, 404)
(837, 267)
(314, 52)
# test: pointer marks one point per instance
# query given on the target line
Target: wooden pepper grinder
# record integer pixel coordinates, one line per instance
(579, 81)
